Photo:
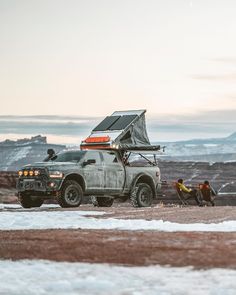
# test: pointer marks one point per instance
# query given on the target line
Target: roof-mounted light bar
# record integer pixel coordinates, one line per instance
(97, 139)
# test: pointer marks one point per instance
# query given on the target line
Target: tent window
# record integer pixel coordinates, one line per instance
(126, 138)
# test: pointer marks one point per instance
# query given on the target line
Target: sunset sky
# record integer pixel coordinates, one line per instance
(175, 58)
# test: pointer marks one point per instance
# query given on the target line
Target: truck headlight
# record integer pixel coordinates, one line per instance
(36, 173)
(55, 174)
(20, 173)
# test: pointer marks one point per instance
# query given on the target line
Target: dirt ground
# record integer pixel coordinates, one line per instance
(198, 249)
(201, 250)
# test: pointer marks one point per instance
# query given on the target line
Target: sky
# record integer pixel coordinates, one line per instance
(174, 58)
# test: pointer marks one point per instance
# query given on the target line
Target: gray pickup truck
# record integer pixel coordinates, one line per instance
(104, 174)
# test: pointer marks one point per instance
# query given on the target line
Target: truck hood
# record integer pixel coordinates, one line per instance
(50, 165)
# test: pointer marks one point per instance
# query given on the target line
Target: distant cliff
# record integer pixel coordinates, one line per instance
(15, 154)
(25, 141)
(207, 150)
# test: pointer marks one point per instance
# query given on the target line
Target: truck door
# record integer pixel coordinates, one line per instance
(114, 173)
(94, 172)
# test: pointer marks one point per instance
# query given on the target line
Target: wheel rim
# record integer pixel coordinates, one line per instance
(145, 196)
(72, 195)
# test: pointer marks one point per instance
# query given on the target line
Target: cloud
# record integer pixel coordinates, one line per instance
(220, 77)
(47, 117)
(227, 60)
(223, 78)
(214, 116)
(227, 116)
(56, 125)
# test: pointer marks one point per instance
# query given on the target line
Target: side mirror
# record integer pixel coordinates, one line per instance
(89, 162)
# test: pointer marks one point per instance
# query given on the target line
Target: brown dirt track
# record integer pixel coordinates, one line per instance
(199, 249)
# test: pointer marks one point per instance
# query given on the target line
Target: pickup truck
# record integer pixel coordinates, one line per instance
(105, 174)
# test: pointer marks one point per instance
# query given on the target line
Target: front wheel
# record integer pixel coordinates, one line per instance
(70, 195)
(37, 202)
(27, 201)
(142, 195)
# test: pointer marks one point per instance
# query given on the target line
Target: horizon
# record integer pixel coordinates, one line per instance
(71, 130)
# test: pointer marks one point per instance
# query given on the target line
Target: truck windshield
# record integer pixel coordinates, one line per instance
(71, 156)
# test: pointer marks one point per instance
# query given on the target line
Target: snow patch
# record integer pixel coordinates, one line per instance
(38, 277)
(21, 153)
(190, 145)
(210, 145)
(24, 220)
(18, 206)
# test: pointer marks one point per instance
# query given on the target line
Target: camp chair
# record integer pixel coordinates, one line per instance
(182, 196)
(206, 194)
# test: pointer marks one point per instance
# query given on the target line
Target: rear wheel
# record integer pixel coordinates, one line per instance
(102, 201)
(142, 195)
(70, 195)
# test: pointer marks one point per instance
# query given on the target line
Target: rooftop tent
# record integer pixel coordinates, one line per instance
(126, 129)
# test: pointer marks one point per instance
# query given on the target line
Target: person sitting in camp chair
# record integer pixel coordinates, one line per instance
(185, 193)
(208, 193)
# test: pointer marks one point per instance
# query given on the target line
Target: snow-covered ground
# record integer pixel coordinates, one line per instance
(23, 220)
(44, 277)
(18, 206)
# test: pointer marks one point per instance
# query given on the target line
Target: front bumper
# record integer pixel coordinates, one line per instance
(36, 185)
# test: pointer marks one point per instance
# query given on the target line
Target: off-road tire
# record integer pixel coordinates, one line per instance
(25, 201)
(36, 202)
(142, 195)
(102, 201)
(70, 195)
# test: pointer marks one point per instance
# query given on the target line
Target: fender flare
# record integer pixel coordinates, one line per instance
(74, 176)
(151, 183)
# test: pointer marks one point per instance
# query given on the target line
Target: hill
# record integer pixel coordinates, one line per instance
(14, 154)
(209, 150)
